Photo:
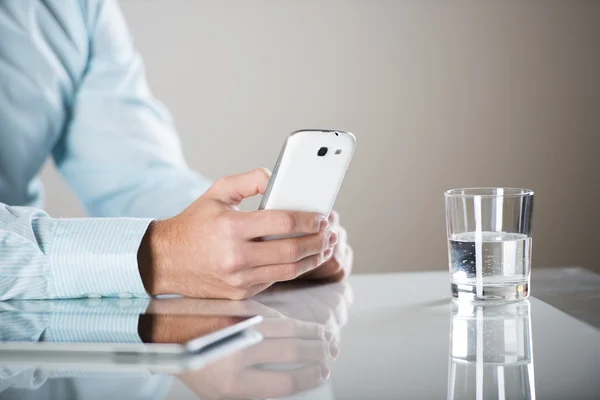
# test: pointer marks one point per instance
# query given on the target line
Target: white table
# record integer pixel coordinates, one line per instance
(392, 333)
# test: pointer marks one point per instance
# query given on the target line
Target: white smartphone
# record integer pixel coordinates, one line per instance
(309, 171)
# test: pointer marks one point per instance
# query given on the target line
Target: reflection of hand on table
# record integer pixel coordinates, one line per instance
(240, 375)
(301, 336)
(323, 305)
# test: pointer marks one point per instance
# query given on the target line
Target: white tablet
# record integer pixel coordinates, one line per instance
(163, 342)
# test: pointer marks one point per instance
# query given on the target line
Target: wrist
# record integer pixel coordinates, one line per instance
(152, 260)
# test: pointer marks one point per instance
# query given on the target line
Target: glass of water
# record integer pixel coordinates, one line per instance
(489, 242)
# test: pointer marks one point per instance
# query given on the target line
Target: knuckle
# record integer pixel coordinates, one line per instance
(235, 281)
(291, 251)
(228, 225)
(289, 272)
(262, 173)
(315, 222)
(240, 294)
(313, 262)
(310, 262)
(234, 261)
(324, 241)
(287, 222)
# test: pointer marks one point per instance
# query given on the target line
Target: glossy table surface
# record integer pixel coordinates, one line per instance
(391, 336)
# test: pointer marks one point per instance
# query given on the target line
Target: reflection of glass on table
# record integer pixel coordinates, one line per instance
(491, 355)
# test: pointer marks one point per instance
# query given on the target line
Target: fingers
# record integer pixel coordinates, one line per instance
(233, 189)
(277, 222)
(285, 251)
(278, 272)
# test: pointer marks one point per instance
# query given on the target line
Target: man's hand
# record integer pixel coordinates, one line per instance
(338, 261)
(211, 250)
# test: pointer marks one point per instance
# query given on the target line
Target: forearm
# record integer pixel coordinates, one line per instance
(45, 258)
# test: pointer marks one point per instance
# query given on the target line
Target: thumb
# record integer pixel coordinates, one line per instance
(233, 189)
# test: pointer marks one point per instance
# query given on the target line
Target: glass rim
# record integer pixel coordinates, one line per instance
(488, 192)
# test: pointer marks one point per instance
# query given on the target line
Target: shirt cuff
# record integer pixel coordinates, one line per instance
(94, 257)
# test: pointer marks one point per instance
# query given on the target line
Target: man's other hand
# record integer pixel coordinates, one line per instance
(338, 260)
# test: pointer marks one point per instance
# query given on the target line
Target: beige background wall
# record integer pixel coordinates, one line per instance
(439, 94)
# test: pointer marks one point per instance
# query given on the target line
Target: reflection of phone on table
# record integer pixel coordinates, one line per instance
(309, 171)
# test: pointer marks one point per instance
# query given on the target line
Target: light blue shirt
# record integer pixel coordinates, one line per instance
(73, 87)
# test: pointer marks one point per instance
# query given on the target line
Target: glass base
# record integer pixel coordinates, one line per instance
(504, 292)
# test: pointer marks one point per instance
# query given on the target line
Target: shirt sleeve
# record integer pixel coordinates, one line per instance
(120, 152)
(47, 258)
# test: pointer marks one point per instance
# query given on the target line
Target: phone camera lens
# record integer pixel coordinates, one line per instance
(322, 151)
